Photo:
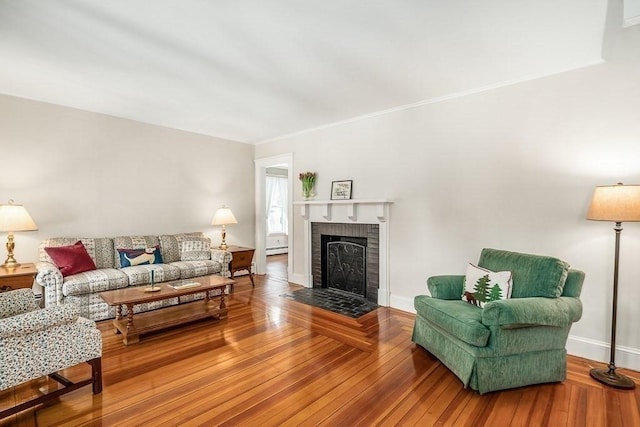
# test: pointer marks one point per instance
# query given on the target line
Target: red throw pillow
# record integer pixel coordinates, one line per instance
(71, 259)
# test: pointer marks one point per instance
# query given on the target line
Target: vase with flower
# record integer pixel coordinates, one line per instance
(308, 180)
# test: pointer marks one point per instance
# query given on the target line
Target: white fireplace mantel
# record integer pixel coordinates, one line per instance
(376, 210)
(355, 211)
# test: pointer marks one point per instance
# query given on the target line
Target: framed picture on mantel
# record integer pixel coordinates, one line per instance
(341, 190)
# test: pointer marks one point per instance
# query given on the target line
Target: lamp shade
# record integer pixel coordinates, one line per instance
(15, 218)
(224, 216)
(619, 203)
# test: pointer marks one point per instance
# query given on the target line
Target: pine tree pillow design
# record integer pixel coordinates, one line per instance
(482, 286)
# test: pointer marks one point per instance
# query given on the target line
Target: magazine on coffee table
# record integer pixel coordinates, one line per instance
(184, 285)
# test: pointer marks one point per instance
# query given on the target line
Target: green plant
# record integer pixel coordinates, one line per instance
(308, 180)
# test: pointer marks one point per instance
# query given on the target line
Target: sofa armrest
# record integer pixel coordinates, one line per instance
(48, 275)
(51, 280)
(541, 311)
(17, 302)
(38, 320)
(446, 287)
(224, 258)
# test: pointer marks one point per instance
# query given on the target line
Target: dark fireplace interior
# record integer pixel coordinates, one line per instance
(346, 257)
(344, 262)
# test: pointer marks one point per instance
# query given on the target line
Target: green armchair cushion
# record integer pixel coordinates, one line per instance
(458, 318)
(533, 275)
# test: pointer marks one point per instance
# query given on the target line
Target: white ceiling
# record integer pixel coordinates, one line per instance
(250, 70)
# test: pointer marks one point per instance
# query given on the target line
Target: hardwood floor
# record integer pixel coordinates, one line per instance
(277, 362)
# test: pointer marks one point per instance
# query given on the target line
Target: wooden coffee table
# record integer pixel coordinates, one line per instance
(132, 326)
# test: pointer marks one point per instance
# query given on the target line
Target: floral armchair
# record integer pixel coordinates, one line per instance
(36, 342)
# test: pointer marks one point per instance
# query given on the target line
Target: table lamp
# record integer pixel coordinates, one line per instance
(224, 217)
(14, 218)
(618, 203)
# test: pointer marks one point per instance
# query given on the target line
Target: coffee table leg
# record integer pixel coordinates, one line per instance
(118, 317)
(129, 316)
(222, 304)
(130, 336)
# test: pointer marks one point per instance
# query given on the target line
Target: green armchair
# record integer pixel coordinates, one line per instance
(508, 343)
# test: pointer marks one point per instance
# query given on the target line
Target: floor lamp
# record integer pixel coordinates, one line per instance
(618, 203)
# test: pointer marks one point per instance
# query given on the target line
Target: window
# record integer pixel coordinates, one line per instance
(276, 204)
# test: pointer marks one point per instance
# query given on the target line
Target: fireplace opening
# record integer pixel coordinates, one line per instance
(365, 235)
(344, 263)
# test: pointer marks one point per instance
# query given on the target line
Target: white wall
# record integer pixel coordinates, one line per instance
(512, 168)
(91, 175)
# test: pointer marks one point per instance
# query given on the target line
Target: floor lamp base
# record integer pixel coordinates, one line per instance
(611, 378)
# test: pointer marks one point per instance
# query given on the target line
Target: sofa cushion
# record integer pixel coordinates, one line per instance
(132, 242)
(458, 318)
(482, 286)
(71, 259)
(100, 280)
(130, 257)
(533, 275)
(141, 274)
(170, 245)
(195, 249)
(189, 269)
(100, 249)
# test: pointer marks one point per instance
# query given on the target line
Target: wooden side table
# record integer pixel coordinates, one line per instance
(21, 276)
(242, 258)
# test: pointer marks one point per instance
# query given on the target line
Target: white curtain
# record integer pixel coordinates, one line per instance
(277, 198)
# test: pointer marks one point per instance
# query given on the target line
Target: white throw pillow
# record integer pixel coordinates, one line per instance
(195, 249)
(482, 286)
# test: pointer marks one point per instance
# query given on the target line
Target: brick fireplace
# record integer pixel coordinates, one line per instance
(354, 236)
(346, 257)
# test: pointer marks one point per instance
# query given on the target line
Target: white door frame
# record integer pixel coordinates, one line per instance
(261, 165)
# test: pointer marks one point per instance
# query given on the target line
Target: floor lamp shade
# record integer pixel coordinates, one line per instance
(617, 203)
(14, 218)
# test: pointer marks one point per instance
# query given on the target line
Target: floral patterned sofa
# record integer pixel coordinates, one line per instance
(184, 256)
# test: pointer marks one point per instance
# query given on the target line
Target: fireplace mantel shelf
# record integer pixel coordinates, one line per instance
(380, 206)
(343, 202)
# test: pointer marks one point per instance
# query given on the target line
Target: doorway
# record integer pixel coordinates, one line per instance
(283, 162)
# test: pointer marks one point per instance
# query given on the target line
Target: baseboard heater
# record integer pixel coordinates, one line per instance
(276, 250)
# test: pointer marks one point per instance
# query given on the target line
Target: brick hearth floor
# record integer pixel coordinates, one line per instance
(334, 300)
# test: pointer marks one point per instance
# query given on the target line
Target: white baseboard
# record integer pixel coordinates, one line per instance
(402, 303)
(626, 357)
(277, 251)
(299, 279)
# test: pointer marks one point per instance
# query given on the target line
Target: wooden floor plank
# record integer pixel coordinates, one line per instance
(272, 364)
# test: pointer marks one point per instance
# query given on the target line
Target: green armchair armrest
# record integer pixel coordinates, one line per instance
(446, 287)
(559, 312)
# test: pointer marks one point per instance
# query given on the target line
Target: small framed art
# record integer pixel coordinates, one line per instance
(341, 190)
